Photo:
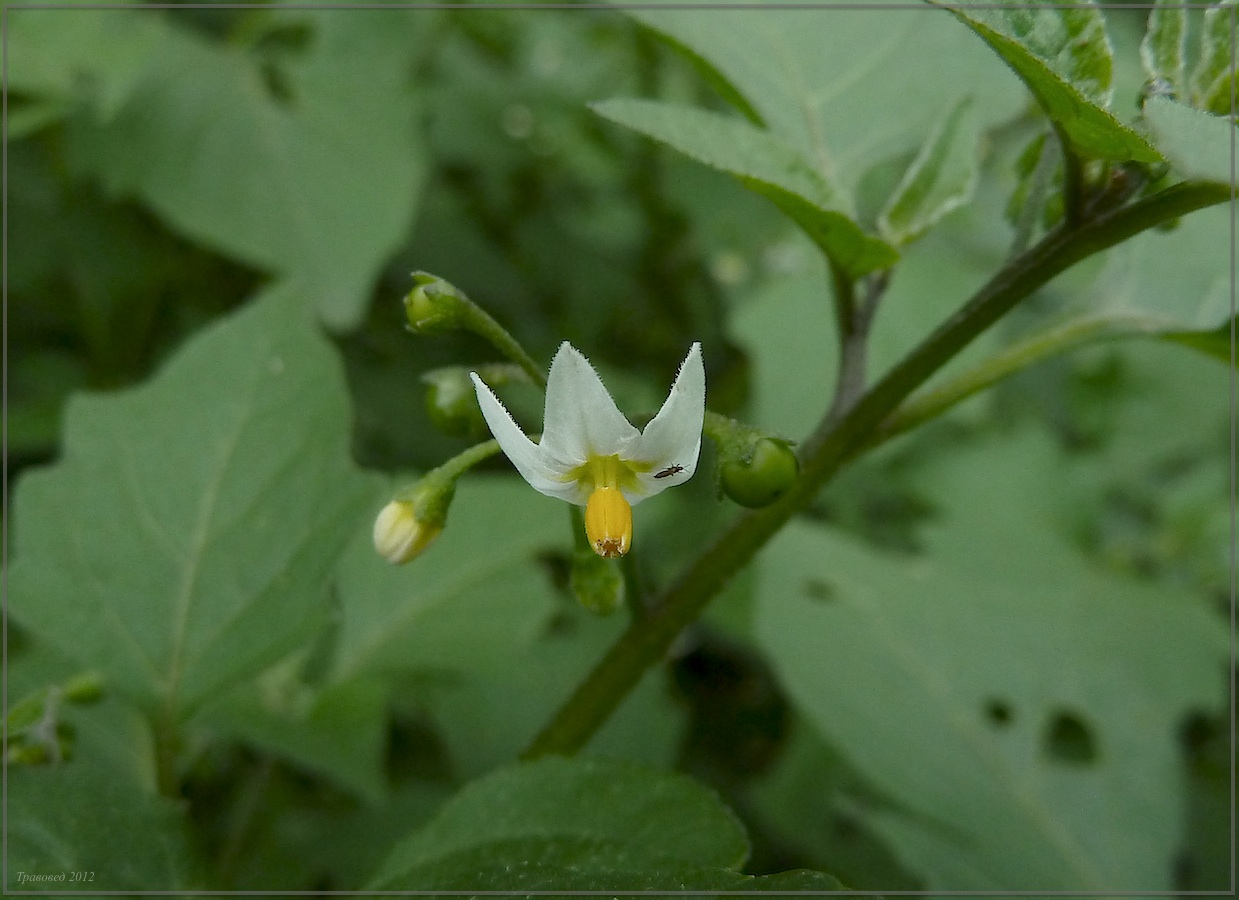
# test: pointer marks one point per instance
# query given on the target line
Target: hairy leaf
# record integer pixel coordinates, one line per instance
(1196, 143)
(845, 87)
(1164, 44)
(764, 164)
(1063, 55)
(1213, 80)
(584, 814)
(185, 538)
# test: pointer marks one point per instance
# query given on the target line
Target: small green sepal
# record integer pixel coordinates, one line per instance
(451, 400)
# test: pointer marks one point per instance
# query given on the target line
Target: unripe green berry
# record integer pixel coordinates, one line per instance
(763, 477)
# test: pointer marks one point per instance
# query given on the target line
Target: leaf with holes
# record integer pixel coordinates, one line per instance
(1006, 697)
(763, 164)
(1063, 55)
(186, 536)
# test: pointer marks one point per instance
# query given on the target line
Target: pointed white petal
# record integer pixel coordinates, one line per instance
(672, 440)
(543, 471)
(581, 419)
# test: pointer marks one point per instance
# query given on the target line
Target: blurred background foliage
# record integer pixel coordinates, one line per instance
(164, 166)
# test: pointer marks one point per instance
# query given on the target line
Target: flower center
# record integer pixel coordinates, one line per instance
(608, 522)
(608, 515)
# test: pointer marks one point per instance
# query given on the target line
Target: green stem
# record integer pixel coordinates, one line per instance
(481, 323)
(832, 445)
(1020, 355)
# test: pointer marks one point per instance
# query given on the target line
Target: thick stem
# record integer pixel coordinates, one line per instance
(645, 642)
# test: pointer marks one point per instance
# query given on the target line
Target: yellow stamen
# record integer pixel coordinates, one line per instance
(608, 522)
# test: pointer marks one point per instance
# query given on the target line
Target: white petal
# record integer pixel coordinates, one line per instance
(542, 470)
(672, 440)
(581, 419)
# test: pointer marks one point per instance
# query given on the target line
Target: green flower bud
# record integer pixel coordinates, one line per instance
(84, 688)
(406, 526)
(434, 305)
(451, 398)
(452, 403)
(762, 478)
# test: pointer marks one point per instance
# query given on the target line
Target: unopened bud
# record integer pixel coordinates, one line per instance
(434, 305)
(406, 526)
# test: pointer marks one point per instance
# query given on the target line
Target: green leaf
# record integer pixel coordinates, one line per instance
(580, 813)
(185, 538)
(53, 54)
(1002, 693)
(526, 866)
(941, 178)
(1196, 143)
(476, 595)
(1063, 55)
(845, 87)
(78, 820)
(1214, 77)
(764, 164)
(340, 730)
(319, 190)
(1165, 40)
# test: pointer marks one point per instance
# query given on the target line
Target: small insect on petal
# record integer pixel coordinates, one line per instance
(669, 471)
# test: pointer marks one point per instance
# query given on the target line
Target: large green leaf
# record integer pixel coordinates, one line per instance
(1063, 55)
(319, 189)
(1019, 707)
(477, 594)
(52, 54)
(340, 730)
(846, 87)
(644, 813)
(764, 164)
(585, 824)
(186, 536)
(78, 821)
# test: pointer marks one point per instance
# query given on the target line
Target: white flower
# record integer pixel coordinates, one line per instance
(591, 455)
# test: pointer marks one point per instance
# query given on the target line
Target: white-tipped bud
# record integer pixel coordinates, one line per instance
(399, 535)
